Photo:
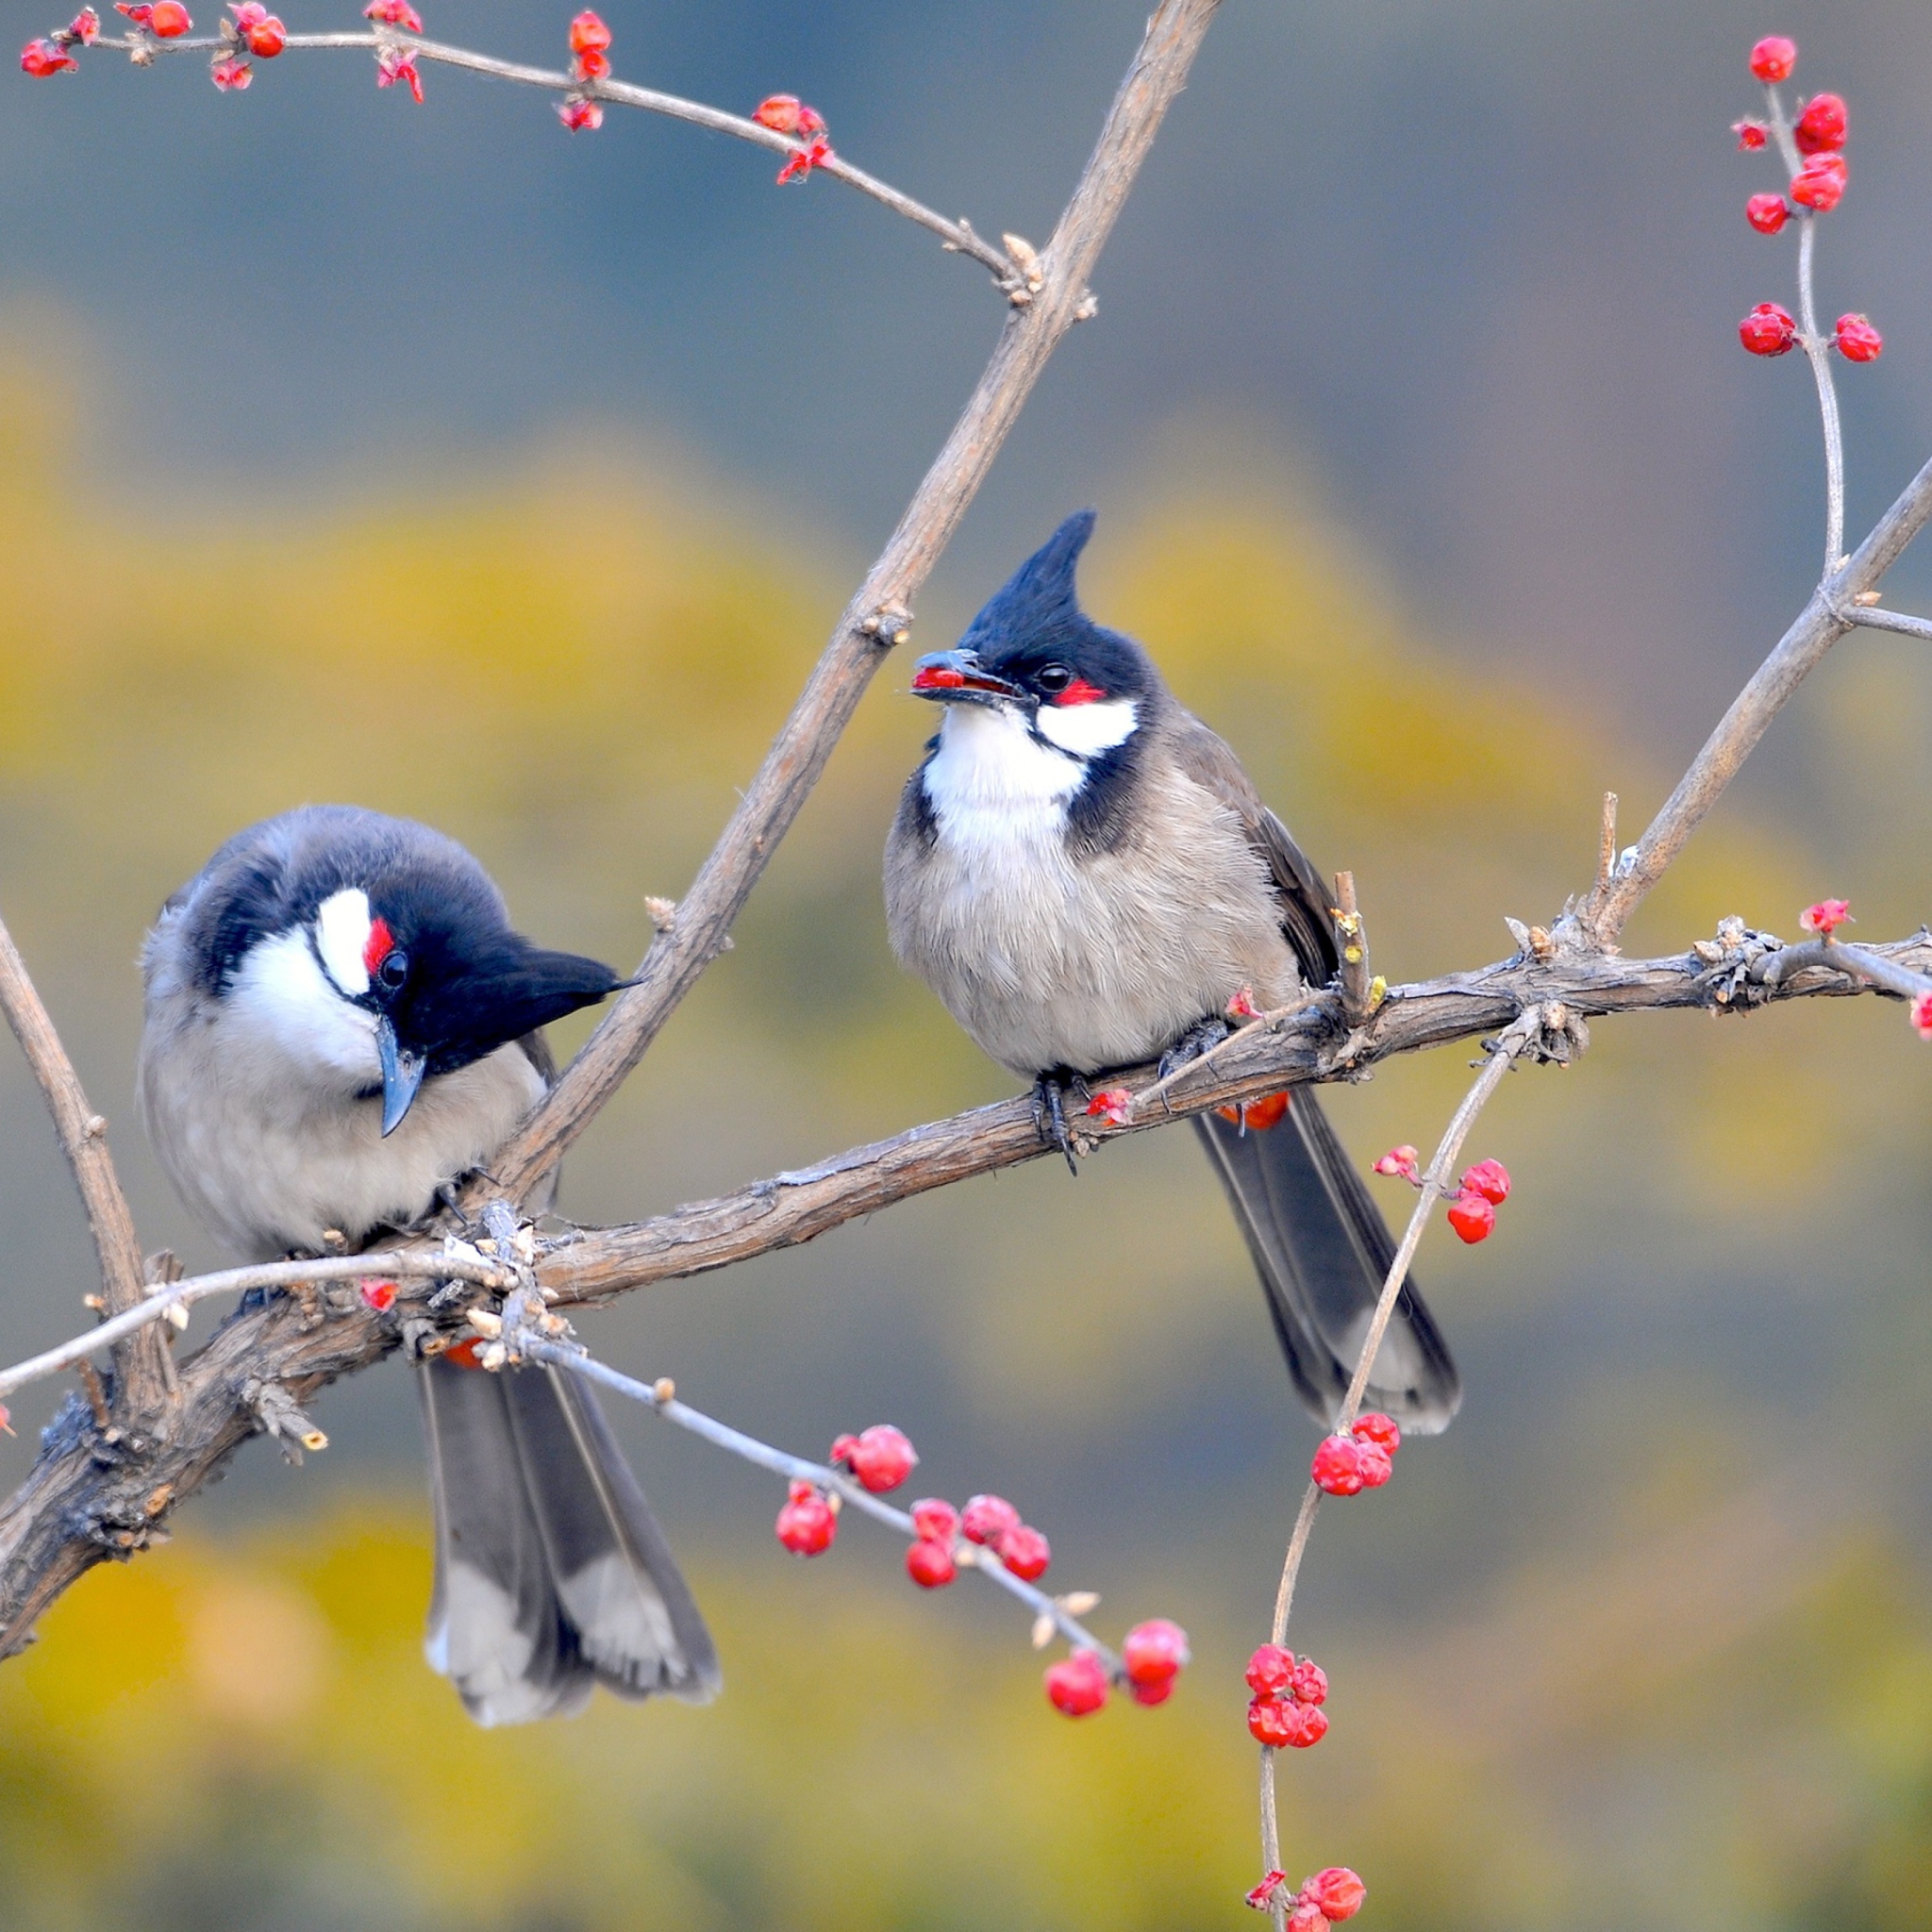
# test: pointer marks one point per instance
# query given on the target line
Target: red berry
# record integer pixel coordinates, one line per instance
(881, 1459)
(930, 1564)
(42, 58)
(1766, 214)
(1922, 1015)
(1113, 1104)
(807, 1523)
(229, 73)
(1773, 59)
(1306, 1917)
(935, 1521)
(779, 112)
(804, 160)
(988, 1518)
(1024, 1552)
(1489, 1178)
(1274, 1722)
(85, 27)
(1337, 1892)
(1820, 184)
(1399, 1162)
(169, 18)
(1377, 1465)
(1271, 1670)
(1309, 1682)
(1821, 128)
(1374, 1426)
(1857, 341)
(1152, 1693)
(1243, 1006)
(1828, 914)
(588, 34)
(1768, 330)
(580, 114)
(1077, 1684)
(592, 66)
(1338, 1466)
(1752, 135)
(1153, 1651)
(380, 1295)
(1473, 1217)
(269, 39)
(1269, 1111)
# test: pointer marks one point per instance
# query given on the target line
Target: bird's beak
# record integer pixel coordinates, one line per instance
(402, 1075)
(956, 677)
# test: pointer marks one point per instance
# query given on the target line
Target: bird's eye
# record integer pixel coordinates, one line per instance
(1053, 678)
(394, 968)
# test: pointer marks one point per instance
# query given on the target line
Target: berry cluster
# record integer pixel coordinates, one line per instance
(1286, 1710)
(589, 48)
(1818, 138)
(44, 59)
(788, 115)
(1482, 1190)
(1362, 1460)
(167, 20)
(1152, 1657)
(257, 30)
(1825, 917)
(1325, 1899)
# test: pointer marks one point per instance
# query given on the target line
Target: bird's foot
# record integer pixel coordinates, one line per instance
(1050, 1112)
(1202, 1037)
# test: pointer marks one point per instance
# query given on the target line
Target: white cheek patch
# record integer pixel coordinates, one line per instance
(341, 934)
(287, 1013)
(1087, 730)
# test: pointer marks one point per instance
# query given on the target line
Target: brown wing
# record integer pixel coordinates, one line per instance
(1305, 918)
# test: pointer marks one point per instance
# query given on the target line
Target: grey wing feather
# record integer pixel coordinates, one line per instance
(552, 1574)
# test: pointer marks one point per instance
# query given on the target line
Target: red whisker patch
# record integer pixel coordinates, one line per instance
(1080, 693)
(377, 947)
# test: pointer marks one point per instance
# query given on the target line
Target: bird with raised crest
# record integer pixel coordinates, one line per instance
(340, 1023)
(1086, 876)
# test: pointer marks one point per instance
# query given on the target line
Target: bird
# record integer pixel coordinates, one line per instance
(1084, 874)
(338, 1022)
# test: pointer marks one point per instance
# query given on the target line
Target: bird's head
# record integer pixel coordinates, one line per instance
(374, 954)
(1034, 654)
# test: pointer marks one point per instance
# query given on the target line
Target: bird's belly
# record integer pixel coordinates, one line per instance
(269, 1175)
(1049, 959)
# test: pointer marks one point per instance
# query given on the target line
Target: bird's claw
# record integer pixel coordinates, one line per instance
(1050, 1114)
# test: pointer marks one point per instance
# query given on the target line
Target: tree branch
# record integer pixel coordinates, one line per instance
(83, 1134)
(878, 616)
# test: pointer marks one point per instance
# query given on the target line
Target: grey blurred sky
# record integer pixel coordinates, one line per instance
(1468, 271)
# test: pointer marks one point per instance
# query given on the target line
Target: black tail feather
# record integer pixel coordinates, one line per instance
(1323, 1252)
(551, 1573)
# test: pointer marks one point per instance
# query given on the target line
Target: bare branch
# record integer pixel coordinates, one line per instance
(880, 615)
(958, 237)
(662, 1399)
(1867, 618)
(1830, 613)
(83, 1136)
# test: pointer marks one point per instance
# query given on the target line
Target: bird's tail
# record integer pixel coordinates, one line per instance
(551, 1573)
(1324, 1251)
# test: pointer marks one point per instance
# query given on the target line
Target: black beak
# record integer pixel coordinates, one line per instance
(958, 677)
(402, 1075)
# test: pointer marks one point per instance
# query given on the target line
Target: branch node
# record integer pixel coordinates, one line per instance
(277, 1414)
(890, 623)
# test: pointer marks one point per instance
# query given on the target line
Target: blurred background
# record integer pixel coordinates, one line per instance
(427, 459)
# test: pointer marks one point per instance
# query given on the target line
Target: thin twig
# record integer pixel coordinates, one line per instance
(1514, 1040)
(1831, 611)
(660, 1399)
(1357, 1002)
(1606, 842)
(1869, 618)
(1837, 955)
(201, 1288)
(958, 237)
(879, 614)
(83, 1134)
(1816, 350)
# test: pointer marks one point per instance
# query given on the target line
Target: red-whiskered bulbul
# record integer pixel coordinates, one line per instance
(1086, 876)
(339, 1023)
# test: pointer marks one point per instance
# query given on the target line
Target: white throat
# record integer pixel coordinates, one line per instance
(992, 781)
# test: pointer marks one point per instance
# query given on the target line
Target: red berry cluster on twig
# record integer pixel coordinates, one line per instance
(1362, 1460)
(1483, 1188)
(1328, 1898)
(788, 115)
(1825, 917)
(1284, 1712)
(589, 49)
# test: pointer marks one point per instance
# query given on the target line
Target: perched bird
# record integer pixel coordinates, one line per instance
(1086, 876)
(340, 1022)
